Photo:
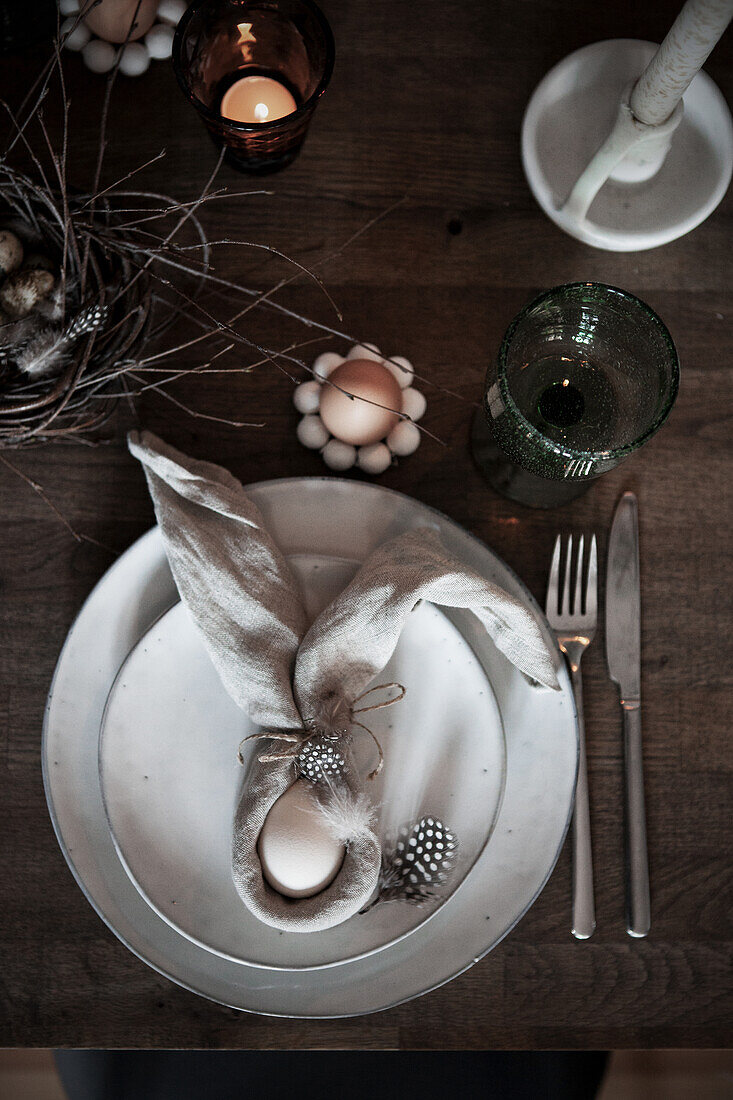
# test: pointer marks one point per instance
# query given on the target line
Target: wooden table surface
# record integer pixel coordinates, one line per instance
(425, 105)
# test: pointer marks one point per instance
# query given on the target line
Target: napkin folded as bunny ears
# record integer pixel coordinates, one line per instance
(291, 676)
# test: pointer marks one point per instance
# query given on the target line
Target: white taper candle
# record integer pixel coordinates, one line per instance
(680, 57)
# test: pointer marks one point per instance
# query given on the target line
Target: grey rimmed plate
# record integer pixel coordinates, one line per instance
(512, 816)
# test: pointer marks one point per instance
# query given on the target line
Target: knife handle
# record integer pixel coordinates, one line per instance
(638, 912)
(584, 910)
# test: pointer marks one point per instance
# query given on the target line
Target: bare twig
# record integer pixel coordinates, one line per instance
(41, 492)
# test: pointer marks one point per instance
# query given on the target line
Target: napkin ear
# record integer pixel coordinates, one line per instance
(354, 637)
(231, 576)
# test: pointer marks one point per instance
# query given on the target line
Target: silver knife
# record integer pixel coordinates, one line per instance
(623, 654)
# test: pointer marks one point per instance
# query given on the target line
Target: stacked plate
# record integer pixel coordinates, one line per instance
(142, 776)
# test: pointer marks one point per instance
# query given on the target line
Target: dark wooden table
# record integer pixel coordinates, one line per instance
(425, 105)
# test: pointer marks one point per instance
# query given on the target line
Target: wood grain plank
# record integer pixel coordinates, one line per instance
(425, 107)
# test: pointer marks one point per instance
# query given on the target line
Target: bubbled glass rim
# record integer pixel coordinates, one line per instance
(304, 109)
(567, 290)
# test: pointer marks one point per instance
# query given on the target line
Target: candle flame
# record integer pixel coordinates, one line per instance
(245, 34)
(261, 111)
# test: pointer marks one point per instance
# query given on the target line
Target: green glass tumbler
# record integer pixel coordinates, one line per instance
(585, 375)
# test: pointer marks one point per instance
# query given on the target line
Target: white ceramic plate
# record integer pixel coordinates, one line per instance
(336, 520)
(171, 780)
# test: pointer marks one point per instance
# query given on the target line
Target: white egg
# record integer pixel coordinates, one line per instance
(170, 11)
(338, 455)
(135, 59)
(11, 252)
(298, 852)
(325, 363)
(365, 351)
(402, 369)
(98, 56)
(404, 439)
(307, 397)
(312, 432)
(413, 403)
(78, 37)
(374, 459)
(68, 7)
(159, 41)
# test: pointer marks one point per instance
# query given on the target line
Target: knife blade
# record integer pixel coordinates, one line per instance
(623, 600)
(623, 655)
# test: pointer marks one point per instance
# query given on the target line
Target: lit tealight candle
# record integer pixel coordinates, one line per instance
(257, 99)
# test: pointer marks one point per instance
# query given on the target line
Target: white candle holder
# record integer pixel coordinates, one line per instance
(372, 458)
(650, 181)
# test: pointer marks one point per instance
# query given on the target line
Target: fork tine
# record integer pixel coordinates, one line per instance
(591, 591)
(553, 581)
(565, 603)
(579, 578)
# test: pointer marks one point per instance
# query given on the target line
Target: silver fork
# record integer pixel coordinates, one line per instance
(574, 630)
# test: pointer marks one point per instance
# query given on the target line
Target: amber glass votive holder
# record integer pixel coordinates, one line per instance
(218, 42)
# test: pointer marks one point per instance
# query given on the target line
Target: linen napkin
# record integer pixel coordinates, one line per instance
(305, 681)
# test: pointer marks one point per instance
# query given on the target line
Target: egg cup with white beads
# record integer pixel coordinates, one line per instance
(360, 418)
(99, 53)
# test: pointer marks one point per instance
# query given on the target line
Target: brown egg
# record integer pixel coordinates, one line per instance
(360, 422)
(111, 19)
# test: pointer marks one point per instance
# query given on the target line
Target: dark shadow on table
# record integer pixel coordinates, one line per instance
(271, 1075)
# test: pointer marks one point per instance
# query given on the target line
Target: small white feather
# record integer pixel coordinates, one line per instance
(52, 307)
(45, 354)
(347, 815)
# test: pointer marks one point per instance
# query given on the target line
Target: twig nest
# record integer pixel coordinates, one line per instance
(11, 252)
(20, 293)
(360, 410)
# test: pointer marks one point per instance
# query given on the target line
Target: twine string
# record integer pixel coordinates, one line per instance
(384, 703)
(298, 741)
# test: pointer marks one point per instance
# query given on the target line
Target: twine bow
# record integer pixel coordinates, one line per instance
(314, 729)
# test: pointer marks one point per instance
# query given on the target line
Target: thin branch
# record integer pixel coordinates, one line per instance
(133, 172)
(40, 491)
(197, 414)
